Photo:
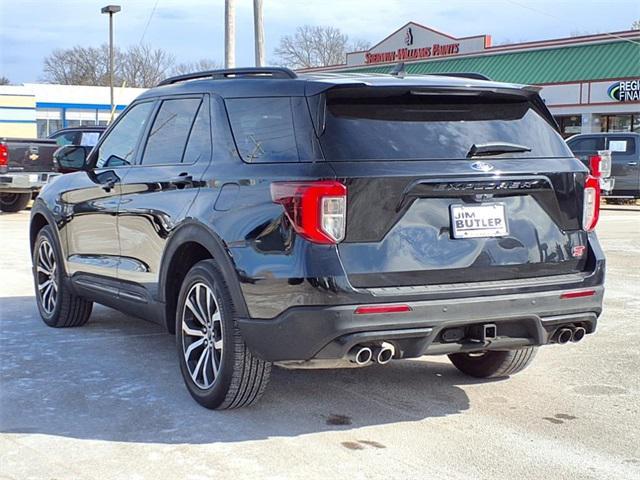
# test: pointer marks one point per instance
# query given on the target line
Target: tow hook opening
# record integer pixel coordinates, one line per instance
(483, 333)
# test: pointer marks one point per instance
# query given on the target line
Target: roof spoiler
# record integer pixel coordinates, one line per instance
(251, 72)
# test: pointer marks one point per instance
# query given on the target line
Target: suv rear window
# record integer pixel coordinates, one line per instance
(423, 126)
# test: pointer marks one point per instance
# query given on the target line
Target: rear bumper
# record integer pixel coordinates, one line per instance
(329, 332)
(24, 182)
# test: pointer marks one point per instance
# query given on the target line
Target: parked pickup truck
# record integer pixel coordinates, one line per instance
(625, 159)
(26, 165)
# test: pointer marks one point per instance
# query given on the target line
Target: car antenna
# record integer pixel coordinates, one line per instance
(398, 70)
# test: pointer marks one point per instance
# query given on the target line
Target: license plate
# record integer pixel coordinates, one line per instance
(33, 178)
(474, 221)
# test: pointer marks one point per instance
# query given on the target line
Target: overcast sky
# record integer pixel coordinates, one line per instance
(194, 29)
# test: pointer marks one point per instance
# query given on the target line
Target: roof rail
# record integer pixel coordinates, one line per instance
(472, 75)
(260, 72)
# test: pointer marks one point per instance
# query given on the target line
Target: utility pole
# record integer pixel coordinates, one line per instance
(229, 33)
(111, 9)
(258, 29)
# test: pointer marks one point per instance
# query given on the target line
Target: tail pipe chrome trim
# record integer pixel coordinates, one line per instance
(564, 335)
(360, 355)
(578, 334)
(384, 353)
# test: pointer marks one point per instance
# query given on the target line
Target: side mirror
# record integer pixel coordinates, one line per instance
(71, 158)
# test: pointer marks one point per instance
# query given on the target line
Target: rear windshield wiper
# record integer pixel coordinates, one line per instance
(495, 148)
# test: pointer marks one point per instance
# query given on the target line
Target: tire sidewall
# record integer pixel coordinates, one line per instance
(47, 234)
(205, 272)
(18, 201)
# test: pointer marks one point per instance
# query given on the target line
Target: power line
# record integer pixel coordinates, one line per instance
(547, 14)
(144, 32)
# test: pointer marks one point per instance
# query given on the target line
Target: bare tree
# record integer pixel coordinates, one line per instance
(144, 66)
(4, 81)
(80, 65)
(138, 66)
(635, 25)
(315, 46)
(199, 66)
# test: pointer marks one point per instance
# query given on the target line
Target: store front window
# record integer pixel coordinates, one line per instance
(620, 123)
(48, 120)
(569, 124)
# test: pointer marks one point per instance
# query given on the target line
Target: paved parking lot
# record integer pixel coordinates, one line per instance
(107, 401)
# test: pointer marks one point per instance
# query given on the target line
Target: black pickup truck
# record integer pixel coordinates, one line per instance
(625, 159)
(26, 165)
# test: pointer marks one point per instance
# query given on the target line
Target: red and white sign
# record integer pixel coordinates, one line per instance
(417, 42)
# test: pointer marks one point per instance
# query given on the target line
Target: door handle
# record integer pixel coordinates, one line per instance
(632, 164)
(108, 185)
(181, 180)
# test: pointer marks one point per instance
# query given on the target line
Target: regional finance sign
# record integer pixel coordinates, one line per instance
(625, 91)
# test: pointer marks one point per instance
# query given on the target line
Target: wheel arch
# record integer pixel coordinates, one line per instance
(191, 243)
(40, 218)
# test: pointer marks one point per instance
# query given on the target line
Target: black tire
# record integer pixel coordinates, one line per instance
(67, 309)
(493, 363)
(241, 378)
(14, 202)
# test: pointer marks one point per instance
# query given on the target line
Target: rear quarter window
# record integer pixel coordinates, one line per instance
(263, 129)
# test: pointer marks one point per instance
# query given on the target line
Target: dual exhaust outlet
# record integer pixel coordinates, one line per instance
(363, 354)
(570, 334)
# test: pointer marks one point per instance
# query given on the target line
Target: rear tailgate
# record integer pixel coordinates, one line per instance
(30, 155)
(404, 161)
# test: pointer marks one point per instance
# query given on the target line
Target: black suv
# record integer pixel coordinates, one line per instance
(326, 220)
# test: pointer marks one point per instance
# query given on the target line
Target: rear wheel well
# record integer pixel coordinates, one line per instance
(185, 257)
(37, 223)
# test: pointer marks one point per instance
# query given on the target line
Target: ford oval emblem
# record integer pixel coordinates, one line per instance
(482, 166)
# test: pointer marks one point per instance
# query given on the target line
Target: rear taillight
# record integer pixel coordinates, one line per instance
(4, 154)
(591, 204)
(594, 165)
(605, 163)
(317, 210)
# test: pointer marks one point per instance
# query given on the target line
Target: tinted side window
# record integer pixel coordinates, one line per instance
(587, 144)
(118, 149)
(68, 138)
(169, 132)
(263, 129)
(199, 143)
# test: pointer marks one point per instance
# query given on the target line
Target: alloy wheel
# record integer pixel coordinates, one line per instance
(202, 335)
(46, 277)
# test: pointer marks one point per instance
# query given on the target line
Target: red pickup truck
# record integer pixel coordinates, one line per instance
(27, 165)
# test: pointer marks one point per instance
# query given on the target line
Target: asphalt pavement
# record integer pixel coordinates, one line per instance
(106, 401)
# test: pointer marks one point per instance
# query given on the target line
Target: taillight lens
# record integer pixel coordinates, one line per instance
(317, 210)
(4, 154)
(591, 204)
(594, 165)
(605, 164)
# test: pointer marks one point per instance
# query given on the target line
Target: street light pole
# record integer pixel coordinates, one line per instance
(258, 30)
(111, 9)
(229, 33)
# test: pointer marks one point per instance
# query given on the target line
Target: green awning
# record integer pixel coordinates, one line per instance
(551, 65)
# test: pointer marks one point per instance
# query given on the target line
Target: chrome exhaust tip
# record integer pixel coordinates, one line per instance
(578, 334)
(384, 353)
(564, 335)
(360, 355)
